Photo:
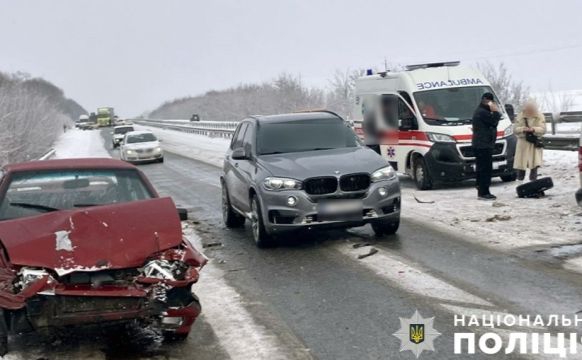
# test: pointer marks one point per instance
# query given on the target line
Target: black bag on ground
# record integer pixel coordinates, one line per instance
(534, 188)
(532, 138)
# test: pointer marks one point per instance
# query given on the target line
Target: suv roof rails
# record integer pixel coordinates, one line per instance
(432, 65)
(319, 110)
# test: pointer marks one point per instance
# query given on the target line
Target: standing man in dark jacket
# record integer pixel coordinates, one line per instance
(485, 120)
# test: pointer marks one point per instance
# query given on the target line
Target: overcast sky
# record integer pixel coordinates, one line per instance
(135, 54)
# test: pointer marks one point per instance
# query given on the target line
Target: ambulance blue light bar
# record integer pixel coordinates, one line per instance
(432, 65)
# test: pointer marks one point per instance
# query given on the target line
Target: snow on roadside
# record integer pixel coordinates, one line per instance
(77, 143)
(198, 147)
(234, 326)
(508, 223)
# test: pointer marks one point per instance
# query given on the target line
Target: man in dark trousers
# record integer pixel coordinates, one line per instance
(485, 120)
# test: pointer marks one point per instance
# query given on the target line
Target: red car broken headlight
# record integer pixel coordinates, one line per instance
(27, 276)
(174, 267)
(165, 270)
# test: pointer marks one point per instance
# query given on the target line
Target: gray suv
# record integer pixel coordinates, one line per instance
(305, 170)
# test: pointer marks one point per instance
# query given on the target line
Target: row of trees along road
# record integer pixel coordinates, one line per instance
(33, 112)
(287, 93)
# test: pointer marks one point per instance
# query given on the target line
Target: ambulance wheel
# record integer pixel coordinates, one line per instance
(421, 175)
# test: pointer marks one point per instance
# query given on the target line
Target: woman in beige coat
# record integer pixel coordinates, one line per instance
(527, 155)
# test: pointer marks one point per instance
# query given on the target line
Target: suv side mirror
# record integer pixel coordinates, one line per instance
(239, 154)
(510, 110)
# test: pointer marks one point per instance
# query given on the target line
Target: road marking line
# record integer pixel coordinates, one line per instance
(408, 277)
(223, 308)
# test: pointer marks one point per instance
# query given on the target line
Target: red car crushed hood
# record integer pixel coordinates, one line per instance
(94, 238)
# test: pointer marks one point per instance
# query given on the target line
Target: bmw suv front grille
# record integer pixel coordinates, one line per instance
(329, 185)
(320, 185)
(355, 182)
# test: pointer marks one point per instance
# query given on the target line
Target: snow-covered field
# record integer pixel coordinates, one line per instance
(508, 223)
(77, 143)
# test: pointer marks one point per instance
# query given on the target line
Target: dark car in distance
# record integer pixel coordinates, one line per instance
(302, 171)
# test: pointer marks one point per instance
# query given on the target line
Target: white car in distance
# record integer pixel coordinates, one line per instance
(141, 146)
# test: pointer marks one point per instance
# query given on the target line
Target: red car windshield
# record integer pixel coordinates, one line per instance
(33, 193)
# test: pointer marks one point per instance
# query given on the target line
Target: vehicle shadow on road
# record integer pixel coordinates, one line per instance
(314, 238)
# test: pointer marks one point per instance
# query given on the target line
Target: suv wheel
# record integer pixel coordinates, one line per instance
(262, 239)
(421, 175)
(230, 217)
(386, 227)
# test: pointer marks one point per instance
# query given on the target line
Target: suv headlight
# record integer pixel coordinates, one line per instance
(436, 137)
(277, 183)
(129, 151)
(386, 173)
(508, 131)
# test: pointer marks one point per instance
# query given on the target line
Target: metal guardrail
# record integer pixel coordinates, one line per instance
(226, 129)
(48, 155)
(207, 128)
(561, 143)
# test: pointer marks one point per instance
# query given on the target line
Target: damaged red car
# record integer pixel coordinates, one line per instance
(89, 241)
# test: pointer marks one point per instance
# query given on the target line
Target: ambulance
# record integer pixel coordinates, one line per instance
(419, 119)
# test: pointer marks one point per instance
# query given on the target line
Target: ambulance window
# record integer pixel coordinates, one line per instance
(406, 98)
(389, 110)
(406, 117)
(404, 111)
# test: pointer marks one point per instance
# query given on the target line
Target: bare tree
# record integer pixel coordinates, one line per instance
(341, 91)
(555, 103)
(32, 114)
(509, 91)
(285, 93)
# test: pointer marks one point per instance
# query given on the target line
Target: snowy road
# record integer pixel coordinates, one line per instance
(312, 297)
(341, 307)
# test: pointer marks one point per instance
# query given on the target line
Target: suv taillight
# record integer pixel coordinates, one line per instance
(580, 158)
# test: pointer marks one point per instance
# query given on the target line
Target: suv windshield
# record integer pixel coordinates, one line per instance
(137, 138)
(123, 130)
(451, 106)
(304, 135)
(32, 193)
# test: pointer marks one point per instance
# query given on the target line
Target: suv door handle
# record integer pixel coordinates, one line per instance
(235, 164)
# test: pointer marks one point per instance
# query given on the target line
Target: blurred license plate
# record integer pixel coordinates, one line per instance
(339, 210)
(496, 165)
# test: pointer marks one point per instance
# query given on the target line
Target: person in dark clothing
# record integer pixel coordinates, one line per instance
(485, 120)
